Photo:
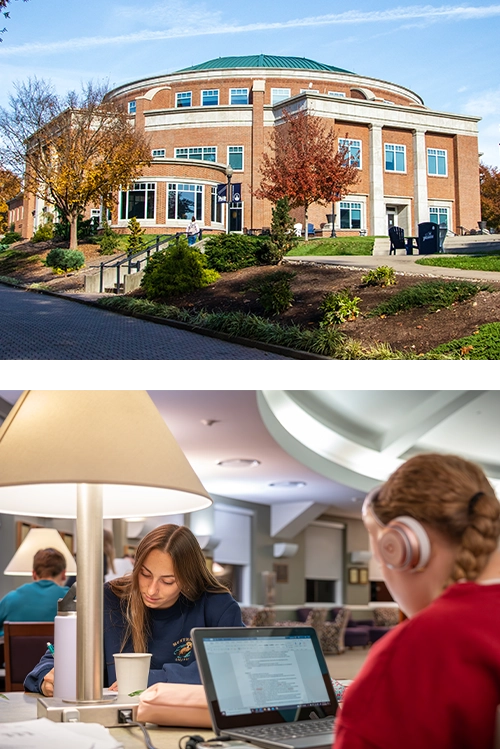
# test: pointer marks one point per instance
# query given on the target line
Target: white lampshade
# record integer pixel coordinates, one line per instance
(52, 441)
(38, 538)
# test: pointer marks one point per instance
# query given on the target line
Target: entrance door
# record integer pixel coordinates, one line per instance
(391, 218)
(235, 217)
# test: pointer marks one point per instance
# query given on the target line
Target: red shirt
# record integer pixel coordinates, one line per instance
(431, 683)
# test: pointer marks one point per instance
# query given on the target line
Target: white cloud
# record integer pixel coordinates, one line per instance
(484, 103)
(191, 22)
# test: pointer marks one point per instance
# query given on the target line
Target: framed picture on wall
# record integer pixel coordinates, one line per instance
(353, 576)
(281, 572)
(22, 530)
(363, 575)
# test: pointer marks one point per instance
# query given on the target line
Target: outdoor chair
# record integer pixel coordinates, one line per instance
(397, 237)
(24, 645)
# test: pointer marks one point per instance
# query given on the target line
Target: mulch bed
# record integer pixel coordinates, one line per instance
(417, 329)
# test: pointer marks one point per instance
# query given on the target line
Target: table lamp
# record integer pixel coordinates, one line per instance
(37, 539)
(92, 454)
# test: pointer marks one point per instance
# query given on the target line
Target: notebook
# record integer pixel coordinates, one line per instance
(267, 685)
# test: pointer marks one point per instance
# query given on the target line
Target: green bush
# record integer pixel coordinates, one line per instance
(282, 238)
(381, 276)
(44, 233)
(275, 294)
(228, 252)
(108, 241)
(11, 236)
(65, 260)
(176, 270)
(337, 307)
(432, 294)
(135, 240)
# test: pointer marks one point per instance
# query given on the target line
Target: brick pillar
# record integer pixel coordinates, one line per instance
(257, 206)
(467, 195)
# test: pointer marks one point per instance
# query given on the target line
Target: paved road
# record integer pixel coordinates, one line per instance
(38, 326)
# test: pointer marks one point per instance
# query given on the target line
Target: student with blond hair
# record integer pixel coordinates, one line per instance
(434, 680)
(154, 609)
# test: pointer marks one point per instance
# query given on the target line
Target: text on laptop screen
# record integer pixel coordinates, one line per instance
(252, 675)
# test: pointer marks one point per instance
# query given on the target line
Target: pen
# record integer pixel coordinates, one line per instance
(50, 647)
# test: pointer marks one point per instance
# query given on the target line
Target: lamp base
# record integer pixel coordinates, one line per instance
(105, 713)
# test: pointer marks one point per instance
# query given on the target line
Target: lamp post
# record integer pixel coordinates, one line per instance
(333, 234)
(229, 174)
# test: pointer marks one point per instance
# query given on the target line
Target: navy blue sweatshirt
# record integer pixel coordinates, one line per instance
(170, 642)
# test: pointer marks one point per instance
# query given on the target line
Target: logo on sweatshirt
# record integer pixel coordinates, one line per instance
(183, 649)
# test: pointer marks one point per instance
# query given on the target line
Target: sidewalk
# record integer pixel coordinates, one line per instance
(401, 264)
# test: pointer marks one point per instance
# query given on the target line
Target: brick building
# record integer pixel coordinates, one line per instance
(415, 164)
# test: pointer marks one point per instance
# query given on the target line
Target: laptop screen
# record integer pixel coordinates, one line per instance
(263, 675)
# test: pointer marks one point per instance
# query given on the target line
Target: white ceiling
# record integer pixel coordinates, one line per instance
(339, 443)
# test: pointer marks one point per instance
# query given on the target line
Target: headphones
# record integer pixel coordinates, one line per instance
(402, 544)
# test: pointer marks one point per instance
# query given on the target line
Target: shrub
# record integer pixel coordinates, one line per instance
(135, 241)
(381, 276)
(275, 294)
(337, 307)
(176, 270)
(108, 241)
(44, 233)
(11, 236)
(282, 238)
(65, 260)
(228, 252)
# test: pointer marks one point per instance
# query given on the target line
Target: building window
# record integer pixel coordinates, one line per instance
(437, 162)
(238, 96)
(185, 201)
(438, 215)
(337, 94)
(210, 98)
(353, 151)
(158, 153)
(138, 201)
(206, 153)
(183, 99)
(132, 107)
(216, 208)
(235, 157)
(395, 158)
(350, 215)
(279, 94)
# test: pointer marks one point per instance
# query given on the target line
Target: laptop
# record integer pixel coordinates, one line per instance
(267, 685)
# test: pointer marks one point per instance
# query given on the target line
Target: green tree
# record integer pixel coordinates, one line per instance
(282, 238)
(489, 179)
(135, 240)
(72, 151)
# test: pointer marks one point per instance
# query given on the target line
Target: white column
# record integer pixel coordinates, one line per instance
(377, 204)
(421, 211)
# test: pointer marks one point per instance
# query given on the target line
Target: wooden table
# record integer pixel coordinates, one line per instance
(22, 706)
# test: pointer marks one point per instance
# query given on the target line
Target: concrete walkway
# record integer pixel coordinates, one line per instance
(401, 264)
(40, 326)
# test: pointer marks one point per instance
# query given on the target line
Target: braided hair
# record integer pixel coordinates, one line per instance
(451, 495)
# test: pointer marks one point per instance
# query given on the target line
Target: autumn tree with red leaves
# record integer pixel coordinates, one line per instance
(305, 164)
(489, 179)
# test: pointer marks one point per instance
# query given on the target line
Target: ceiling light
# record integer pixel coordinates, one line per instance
(239, 463)
(209, 422)
(288, 484)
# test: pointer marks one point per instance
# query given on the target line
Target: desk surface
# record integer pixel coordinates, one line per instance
(22, 706)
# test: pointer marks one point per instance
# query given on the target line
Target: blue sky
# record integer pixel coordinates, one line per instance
(449, 54)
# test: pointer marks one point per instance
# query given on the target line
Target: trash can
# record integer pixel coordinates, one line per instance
(428, 238)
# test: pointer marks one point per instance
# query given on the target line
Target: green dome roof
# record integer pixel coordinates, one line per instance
(263, 61)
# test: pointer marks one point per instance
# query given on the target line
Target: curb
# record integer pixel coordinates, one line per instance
(247, 342)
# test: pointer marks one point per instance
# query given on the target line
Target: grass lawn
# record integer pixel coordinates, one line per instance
(334, 246)
(483, 344)
(468, 262)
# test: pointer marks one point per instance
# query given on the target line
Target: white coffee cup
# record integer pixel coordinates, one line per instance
(132, 671)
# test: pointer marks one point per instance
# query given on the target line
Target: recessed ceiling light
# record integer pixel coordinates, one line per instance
(288, 484)
(239, 463)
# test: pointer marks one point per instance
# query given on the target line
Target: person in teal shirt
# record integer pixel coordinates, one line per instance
(37, 601)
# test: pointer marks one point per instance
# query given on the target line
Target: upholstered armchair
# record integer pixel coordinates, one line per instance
(253, 616)
(332, 635)
(315, 618)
